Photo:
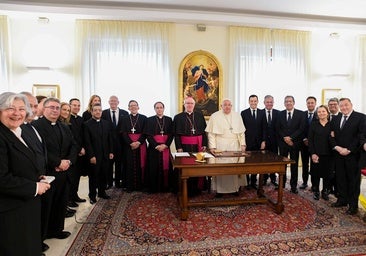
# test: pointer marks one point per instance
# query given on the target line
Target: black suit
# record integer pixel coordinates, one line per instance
(271, 136)
(347, 169)
(79, 168)
(295, 130)
(119, 173)
(363, 152)
(20, 209)
(305, 155)
(99, 144)
(254, 132)
(60, 145)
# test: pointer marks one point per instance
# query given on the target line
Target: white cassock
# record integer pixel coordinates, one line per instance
(226, 133)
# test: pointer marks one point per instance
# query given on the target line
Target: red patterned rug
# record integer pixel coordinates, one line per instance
(144, 224)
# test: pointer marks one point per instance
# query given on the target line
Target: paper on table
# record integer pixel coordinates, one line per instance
(180, 154)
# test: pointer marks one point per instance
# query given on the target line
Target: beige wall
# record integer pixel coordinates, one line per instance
(57, 50)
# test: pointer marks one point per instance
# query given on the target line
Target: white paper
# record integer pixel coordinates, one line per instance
(180, 154)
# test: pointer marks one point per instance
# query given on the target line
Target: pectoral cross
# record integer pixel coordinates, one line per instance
(133, 130)
(162, 133)
(193, 130)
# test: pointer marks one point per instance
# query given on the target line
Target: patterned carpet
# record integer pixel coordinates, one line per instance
(143, 224)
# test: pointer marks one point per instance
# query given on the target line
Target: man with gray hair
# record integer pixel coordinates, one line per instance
(225, 131)
(61, 154)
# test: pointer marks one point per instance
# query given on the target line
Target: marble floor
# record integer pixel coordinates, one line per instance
(60, 247)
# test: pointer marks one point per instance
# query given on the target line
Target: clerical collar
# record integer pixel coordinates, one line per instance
(189, 113)
(96, 120)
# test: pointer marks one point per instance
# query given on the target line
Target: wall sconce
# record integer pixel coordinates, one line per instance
(201, 27)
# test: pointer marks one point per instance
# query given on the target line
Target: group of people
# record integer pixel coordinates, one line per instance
(131, 151)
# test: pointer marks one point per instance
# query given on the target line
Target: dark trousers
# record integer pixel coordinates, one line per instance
(305, 158)
(54, 204)
(294, 153)
(348, 179)
(116, 165)
(97, 178)
(73, 177)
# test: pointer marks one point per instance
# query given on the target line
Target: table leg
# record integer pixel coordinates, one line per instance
(260, 190)
(184, 202)
(279, 207)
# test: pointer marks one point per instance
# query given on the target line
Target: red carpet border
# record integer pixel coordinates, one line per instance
(145, 224)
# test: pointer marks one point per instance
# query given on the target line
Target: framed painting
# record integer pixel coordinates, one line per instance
(48, 90)
(330, 93)
(200, 76)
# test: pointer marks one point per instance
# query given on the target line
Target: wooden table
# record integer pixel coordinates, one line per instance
(231, 163)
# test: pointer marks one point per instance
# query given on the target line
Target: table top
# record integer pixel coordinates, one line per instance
(232, 158)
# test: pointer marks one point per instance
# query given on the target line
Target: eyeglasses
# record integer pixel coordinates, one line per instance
(53, 108)
(13, 110)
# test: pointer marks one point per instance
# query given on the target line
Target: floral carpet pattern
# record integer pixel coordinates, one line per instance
(148, 224)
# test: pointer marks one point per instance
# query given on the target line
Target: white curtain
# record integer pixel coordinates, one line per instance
(127, 59)
(360, 71)
(268, 61)
(4, 54)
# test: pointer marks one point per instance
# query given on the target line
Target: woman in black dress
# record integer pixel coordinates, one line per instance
(320, 151)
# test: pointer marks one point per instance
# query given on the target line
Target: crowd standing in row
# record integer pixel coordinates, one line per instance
(44, 136)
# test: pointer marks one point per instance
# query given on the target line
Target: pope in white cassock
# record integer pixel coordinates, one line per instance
(226, 133)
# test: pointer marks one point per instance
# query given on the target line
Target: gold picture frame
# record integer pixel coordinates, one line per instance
(48, 90)
(330, 93)
(200, 76)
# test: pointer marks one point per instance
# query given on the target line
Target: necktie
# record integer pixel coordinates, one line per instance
(343, 122)
(253, 113)
(289, 118)
(114, 118)
(331, 117)
(310, 118)
(269, 121)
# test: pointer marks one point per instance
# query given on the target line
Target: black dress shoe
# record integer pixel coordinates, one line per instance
(108, 187)
(93, 200)
(275, 184)
(303, 186)
(338, 204)
(45, 247)
(218, 195)
(70, 210)
(352, 211)
(79, 200)
(60, 235)
(294, 191)
(69, 214)
(254, 186)
(104, 196)
(325, 195)
(72, 204)
(316, 195)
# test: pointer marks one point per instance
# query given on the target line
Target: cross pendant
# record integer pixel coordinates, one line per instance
(162, 133)
(133, 130)
(193, 130)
